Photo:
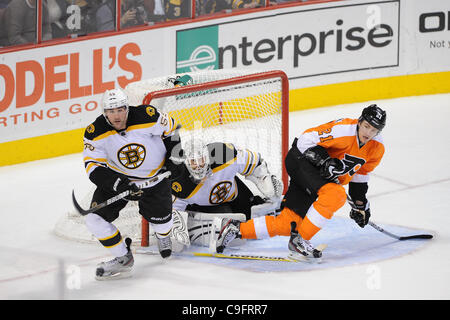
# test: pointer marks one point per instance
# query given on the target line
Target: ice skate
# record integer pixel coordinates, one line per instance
(301, 249)
(228, 232)
(164, 246)
(119, 267)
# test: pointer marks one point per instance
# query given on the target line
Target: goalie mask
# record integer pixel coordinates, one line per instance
(197, 159)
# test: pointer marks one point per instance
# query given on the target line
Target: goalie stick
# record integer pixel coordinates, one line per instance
(122, 195)
(320, 247)
(220, 255)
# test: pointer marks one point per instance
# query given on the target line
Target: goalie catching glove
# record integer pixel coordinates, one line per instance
(269, 185)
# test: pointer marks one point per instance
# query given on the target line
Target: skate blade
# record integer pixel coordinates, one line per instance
(301, 258)
(309, 259)
(115, 276)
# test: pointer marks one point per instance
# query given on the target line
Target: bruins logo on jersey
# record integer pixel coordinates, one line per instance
(90, 128)
(132, 155)
(176, 186)
(220, 192)
(150, 111)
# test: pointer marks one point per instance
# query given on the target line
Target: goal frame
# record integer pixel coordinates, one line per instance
(274, 74)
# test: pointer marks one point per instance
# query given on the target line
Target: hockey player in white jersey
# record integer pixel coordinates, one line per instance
(122, 147)
(208, 182)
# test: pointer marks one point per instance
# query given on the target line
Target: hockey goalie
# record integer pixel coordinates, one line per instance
(208, 185)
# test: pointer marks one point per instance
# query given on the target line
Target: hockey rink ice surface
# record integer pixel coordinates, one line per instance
(409, 194)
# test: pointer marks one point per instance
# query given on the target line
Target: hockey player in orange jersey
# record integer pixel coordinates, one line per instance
(321, 160)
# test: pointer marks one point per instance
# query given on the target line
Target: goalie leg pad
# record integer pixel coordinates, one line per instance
(201, 227)
(178, 232)
(180, 235)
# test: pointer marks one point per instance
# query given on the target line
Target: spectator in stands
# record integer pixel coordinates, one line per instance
(212, 6)
(155, 10)
(57, 12)
(176, 9)
(88, 10)
(4, 3)
(247, 4)
(133, 13)
(275, 2)
(3, 35)
(105, 16)
(20, 22)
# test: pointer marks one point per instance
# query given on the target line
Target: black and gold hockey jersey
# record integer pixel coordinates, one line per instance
(220, 186)
(138, 151)
(238, 4)
(176, 9)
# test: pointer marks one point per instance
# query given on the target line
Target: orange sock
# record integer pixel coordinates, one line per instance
(270, 226)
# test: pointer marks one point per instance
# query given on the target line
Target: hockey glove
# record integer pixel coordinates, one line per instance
(360, 212)
(122, 184)
(317, 155)
(332, 168)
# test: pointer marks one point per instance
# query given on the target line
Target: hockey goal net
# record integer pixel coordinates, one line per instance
(246, 108)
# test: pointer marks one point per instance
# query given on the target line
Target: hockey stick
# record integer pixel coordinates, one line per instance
(378, 228)
(415, 236)
(122, 195)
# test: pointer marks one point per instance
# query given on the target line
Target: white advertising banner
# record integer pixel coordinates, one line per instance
(304, 42)
(58, 87)
(429, 33)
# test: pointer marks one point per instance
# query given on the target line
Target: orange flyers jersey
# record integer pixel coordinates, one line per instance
(340, 139)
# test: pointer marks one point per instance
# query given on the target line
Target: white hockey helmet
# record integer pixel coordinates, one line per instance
(113, 99)
(197, 158)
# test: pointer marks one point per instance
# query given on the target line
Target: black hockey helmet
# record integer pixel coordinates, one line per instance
(375, 116)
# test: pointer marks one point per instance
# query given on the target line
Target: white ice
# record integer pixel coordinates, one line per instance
(410, 189)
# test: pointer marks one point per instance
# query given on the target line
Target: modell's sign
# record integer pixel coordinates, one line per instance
(40, 89)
